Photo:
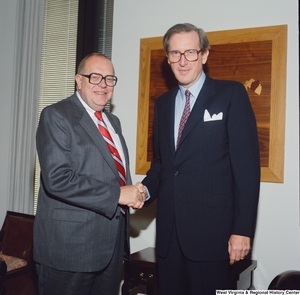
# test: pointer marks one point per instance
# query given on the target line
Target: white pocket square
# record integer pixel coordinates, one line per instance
(214, 117)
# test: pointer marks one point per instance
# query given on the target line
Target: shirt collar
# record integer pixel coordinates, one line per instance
(85, 105)
(195, 88)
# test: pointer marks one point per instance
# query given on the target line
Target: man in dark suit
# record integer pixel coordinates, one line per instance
(80, 229)
(205, 174)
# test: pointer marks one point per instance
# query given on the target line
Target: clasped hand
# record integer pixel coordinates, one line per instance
(133, 196)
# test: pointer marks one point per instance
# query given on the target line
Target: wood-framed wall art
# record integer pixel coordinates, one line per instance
(255, 57)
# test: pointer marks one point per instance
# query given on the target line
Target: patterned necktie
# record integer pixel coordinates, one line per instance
(185, 115)
(111, 146)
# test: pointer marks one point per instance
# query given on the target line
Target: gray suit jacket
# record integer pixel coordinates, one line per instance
(77, 218)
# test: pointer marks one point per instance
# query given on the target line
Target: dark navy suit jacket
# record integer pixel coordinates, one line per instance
(209, 186)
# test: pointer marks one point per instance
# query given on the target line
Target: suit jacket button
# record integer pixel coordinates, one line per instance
(176, 173)
(117, 217)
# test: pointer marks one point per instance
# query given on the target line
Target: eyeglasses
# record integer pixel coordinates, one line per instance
(190, 55)
(95, 79)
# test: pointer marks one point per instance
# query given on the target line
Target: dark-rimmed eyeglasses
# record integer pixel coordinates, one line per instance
(190, 55)
(95, 79)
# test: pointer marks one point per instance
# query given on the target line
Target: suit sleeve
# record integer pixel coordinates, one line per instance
(151, 181)
(245, 161)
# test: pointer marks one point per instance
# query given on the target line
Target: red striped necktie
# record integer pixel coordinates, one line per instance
(111, 146)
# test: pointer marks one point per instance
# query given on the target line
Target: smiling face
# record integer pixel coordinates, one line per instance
(186, 72)
(95, 96)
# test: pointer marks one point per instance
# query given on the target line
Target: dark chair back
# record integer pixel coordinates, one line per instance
(17, 235)
(16, 239)
(288, 280)
(3, 269)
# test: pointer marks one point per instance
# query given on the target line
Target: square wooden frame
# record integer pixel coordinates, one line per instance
(274, 170)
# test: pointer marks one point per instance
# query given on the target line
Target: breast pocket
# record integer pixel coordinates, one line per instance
(214, 133)
(69, 215)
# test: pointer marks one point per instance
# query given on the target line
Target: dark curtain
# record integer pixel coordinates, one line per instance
(95, 19)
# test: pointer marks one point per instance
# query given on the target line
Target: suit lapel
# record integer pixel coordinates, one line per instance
(169, 115)
(203, 101)
(91, 129)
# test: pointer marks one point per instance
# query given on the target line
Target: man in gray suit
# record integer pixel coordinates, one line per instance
(81, 229)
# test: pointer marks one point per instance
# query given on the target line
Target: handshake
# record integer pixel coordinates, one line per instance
(133, 196)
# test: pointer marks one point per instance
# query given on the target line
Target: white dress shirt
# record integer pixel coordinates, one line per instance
(111, 130)
(180, 102)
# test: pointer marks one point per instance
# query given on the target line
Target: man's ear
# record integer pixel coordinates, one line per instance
(168, 61)
(78, 79)
(205, 56)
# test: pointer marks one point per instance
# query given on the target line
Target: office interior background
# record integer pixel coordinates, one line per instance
(276, 245)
